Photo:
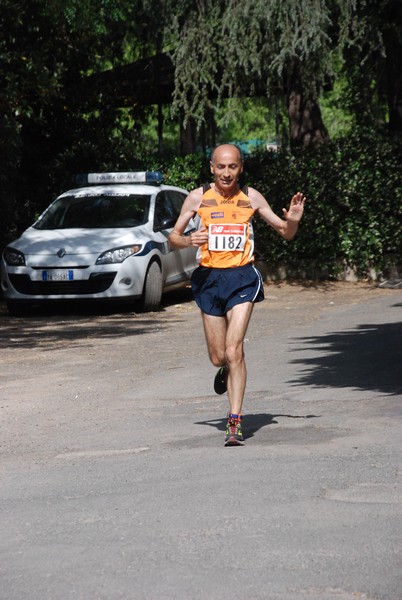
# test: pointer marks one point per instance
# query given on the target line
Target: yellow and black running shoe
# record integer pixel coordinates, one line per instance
(221, 380)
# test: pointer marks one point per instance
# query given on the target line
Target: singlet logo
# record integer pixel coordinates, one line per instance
(217, 215)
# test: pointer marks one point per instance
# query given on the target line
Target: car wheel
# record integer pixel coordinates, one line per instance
(152, 293)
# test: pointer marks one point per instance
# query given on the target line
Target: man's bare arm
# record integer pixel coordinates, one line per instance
(188, 212)
(287, 228)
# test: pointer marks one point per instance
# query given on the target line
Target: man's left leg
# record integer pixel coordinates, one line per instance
(238, 319)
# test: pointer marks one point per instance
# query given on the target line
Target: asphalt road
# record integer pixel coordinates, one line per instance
(115, 484)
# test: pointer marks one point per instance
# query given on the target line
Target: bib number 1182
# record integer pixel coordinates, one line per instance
(227, 238)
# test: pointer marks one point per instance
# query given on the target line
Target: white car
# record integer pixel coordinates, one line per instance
(107, 240)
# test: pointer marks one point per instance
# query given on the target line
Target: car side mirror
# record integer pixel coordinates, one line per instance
(166, 223)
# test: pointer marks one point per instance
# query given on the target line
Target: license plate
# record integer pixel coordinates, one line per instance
(66, 275)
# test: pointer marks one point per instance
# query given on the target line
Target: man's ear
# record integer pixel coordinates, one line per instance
(211, 166)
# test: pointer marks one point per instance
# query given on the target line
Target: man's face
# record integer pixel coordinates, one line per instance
(226, 166)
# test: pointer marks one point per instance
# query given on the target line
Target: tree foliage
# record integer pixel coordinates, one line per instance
(292, 51)
(371, 65)
(45, 49)
(52, 125)
(286, 49)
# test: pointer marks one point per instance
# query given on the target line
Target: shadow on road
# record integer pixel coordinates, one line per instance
(366, 358)
(255, 422)
(79, 323)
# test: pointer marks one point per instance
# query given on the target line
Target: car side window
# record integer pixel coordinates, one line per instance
(166, 212)
(177, 200)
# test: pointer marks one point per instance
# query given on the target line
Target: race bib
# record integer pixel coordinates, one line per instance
(227, 237)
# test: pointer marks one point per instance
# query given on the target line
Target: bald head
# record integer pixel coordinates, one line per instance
(226, 165)
(229, 152)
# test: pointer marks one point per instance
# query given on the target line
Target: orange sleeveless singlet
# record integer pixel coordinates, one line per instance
(229, 225)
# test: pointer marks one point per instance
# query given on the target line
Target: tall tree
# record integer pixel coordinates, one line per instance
(260, 47)
(372, 64)
(289, 50)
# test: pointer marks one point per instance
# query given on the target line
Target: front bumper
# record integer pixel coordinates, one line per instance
(122, 280)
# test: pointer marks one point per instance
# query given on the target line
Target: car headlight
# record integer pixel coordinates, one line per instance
(117, 255)
(14, 258)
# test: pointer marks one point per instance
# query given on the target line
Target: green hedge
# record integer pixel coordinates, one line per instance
(353, 215)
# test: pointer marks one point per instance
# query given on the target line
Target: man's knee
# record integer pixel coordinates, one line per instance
(234, 353)
(217, 359)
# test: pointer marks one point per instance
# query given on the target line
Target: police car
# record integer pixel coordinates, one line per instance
(104, 240)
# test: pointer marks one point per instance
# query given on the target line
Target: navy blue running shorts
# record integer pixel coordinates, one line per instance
(216, 291)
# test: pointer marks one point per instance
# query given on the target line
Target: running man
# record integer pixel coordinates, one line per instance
(226, 284)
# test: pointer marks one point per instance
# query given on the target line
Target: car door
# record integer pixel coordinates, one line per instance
(178, 264)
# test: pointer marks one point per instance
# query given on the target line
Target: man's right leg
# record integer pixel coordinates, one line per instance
(225, 339)
(215, 329)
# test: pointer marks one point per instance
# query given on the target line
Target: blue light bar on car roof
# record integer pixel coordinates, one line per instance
(133, 177)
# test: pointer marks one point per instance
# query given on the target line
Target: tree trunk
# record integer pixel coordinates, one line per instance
(160, 129)
(188, 137)
(395, 100)
(306, 127)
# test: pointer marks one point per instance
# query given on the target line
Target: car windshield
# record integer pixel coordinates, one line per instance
(108, 210)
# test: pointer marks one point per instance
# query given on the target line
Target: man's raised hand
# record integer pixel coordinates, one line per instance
(296, 208)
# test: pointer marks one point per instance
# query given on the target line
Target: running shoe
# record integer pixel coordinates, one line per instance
(221, 380)
(234, 434)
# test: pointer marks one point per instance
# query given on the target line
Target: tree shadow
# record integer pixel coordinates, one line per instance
(81, 322)
(77, 328)
(367, 358)
(254, 422)
(178, 296)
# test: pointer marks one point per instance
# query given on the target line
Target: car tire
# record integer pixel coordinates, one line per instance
(152, 293)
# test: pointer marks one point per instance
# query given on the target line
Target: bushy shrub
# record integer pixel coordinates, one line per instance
(353, 215)
(184, 171)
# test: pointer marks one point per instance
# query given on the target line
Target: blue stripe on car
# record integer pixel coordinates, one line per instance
(163, 248)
